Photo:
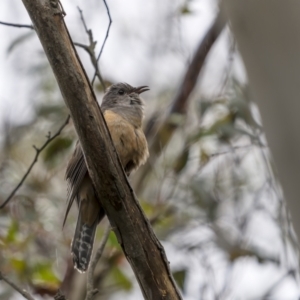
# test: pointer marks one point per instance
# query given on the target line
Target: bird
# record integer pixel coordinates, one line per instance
(123, 111)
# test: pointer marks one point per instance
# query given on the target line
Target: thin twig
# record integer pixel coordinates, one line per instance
(82, 19)
(91, 292)
(62, 9)
(38, 151)
(228, 68)
(17, 25)
(106, 36)
(242, 147)
(23, 292)
(90, 49)
(107, 31)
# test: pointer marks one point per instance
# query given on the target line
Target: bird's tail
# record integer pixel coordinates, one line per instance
(83, 241)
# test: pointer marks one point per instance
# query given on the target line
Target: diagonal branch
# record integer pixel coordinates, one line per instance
(159, 135)
(38, 152)
(141, 247)
(23, 292)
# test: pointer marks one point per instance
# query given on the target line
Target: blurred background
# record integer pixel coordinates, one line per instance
(211, 193)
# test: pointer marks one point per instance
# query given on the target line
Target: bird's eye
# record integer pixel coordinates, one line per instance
(121, 92)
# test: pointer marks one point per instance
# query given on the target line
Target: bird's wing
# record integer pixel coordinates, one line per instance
(75, 173)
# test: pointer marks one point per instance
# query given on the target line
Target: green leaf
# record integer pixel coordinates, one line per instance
(176, 119)
(179, 277)
(113, 241)
(46, 110)
(18, 265)
(12, 232)
(99, 86)
(56, 147)
(43, 272)
(224, 128)
(204, 106)
(121, 279)
(181, 161)
(185, 10)
(204, 157)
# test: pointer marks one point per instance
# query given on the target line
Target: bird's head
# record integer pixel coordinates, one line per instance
(125, 100)
(123, 95)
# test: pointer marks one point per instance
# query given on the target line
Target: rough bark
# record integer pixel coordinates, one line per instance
(136, 237)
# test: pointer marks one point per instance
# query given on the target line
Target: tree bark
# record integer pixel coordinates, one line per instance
(135, 235)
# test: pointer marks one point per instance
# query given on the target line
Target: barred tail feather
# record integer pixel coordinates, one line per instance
(82, 245)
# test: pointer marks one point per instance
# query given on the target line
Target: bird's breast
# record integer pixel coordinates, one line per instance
(130, 142)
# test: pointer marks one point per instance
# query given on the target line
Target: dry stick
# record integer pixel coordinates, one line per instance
(23, 292)
(38, 151)
(90, 291)
(141, 247)
(17, 25)
(106, 36)
(91, 49)
(162, 135)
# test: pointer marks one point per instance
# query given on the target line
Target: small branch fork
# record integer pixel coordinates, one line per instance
(90, 49)
(23, 292)
(38, 151)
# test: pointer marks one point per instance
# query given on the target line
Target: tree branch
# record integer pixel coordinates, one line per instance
(134, 233)
(23, 292)
(90, 291)
(161, 134)
(17, 25)
(91, 50)
(106, 36)
(38, 152)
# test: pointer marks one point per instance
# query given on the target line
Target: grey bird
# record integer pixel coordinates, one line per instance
(123, 111)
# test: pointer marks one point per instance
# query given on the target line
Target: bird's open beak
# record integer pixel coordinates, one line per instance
(141, 89)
